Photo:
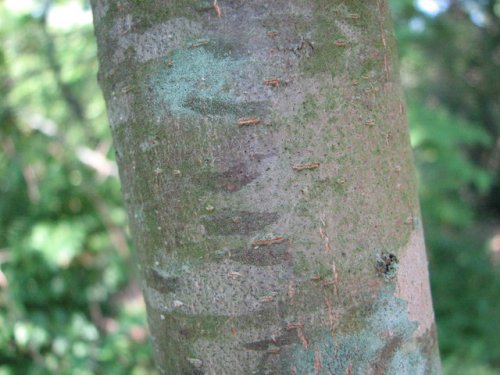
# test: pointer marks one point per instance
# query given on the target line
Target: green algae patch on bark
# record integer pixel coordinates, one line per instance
(383, 345)
(196, 83)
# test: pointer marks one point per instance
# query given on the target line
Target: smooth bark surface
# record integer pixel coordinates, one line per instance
(265, 163)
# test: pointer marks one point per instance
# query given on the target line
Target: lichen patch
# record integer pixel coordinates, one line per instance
(196, 84)
(119, 108)
(384, 345)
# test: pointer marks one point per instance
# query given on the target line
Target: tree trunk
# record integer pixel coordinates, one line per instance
(264, 157)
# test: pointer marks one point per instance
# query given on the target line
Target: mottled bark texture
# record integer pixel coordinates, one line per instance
(264, 156)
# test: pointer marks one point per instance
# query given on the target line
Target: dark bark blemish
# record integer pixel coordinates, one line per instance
(301, 47)
(236, 177)
(204, 5)
(429, 345)
(385, 355)
(193, 372)
(161, 283)
(195, 367)
(210, 106)
(238, 222)
(241, 174)
(387, 265)
(262, 256)
(287, 338)
(260, 157)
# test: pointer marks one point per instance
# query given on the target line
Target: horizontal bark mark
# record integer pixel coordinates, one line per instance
(383, 360)
(161, 283)
(235, 177)
(193, 372)
(262, 256)
(238, 222)
(242, 173)
(213, 107)
(287, 338)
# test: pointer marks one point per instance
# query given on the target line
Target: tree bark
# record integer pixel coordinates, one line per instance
(265, 162)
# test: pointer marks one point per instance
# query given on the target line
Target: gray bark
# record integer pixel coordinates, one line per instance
(265, 163)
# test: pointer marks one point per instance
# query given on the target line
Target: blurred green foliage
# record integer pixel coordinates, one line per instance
(69, 301)
(450, 68)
